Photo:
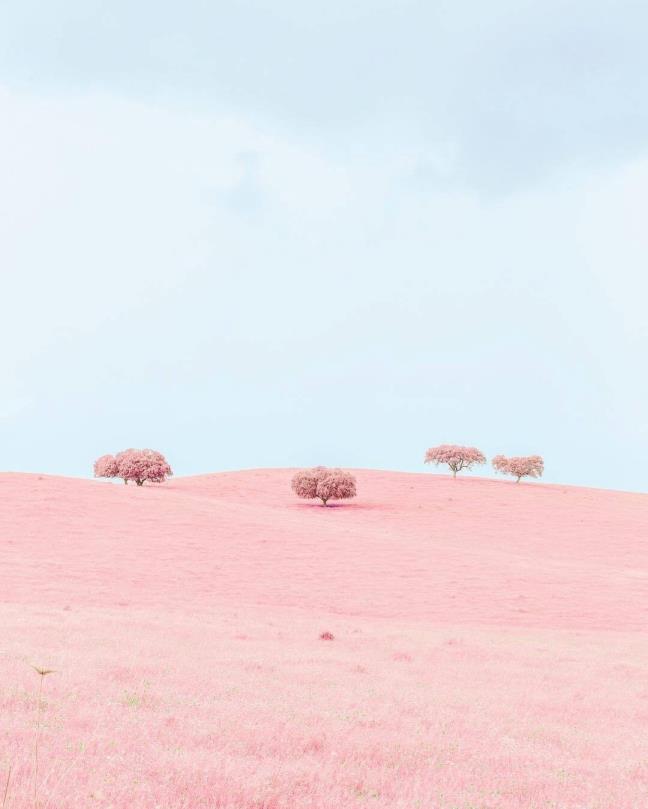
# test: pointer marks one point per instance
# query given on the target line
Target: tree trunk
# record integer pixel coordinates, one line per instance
(125, 482)
(454, 473)
(324, 502)
(139, 482)
(518, 480)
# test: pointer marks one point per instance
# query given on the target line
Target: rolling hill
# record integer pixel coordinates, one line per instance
(489, 646)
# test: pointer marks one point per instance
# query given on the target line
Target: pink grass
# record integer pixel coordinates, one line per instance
(489, 644)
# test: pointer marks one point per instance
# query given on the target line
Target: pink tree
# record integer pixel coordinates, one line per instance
(325, 484)
(527, 466)
(456, 457)
(141, 465)
(105, 467)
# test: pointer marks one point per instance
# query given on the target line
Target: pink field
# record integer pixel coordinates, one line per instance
(490, 645)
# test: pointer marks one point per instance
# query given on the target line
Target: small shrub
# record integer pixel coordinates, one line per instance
(327, 636)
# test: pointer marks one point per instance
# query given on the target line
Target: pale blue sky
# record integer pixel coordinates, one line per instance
(287, 233)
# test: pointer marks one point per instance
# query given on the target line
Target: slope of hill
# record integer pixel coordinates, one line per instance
(411, 546)
(489, 647)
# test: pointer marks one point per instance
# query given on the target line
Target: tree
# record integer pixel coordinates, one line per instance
(141, 465)
(527, 466)
(456, 457)
(325, 484)
(105, 467)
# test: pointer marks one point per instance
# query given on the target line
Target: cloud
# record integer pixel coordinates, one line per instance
(517, 90)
